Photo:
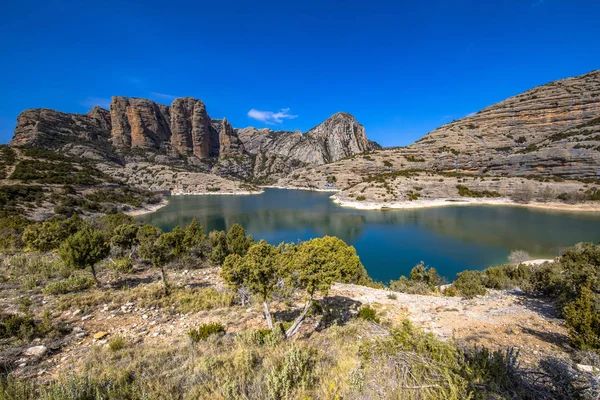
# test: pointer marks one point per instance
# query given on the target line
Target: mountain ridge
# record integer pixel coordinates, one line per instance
(141, 129)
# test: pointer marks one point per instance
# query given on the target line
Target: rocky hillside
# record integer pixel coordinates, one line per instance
(553, 129)
(183, 134)
(338, 137)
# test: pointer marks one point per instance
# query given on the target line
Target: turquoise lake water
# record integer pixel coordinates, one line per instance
(390, 242)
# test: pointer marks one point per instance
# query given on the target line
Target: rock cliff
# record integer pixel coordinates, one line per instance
(545, 130)
(137, 130)
(337, 137)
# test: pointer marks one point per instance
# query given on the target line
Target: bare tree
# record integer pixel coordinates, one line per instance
(524, 194)
(547, 194)
(517, 257)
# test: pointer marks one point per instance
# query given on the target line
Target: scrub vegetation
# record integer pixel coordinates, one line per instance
(305, 347)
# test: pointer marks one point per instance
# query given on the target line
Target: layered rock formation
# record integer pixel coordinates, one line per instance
(191, 129)
(533, 132)
(229, 141)
(337, 137)
(139, 123)
(166, 133)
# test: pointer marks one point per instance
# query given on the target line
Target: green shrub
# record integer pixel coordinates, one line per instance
(469, 284)
(49, 235)
(74, 283)
(205, 330)
(423, 280)
(464, 191)
(295, 371)
(11, 231)
(361, 198)
(582, 317)
(123, 265)
(117, 343)
(368, 313)
(16, 326)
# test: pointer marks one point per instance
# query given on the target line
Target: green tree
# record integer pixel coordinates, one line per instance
(125, 236)
(220, 250)
(176, 238)
(146, 236)
(110, 222)
(157, 248)
(238, 241)
(85, 249)
(315, 265)
(194, 238)
(257, 270)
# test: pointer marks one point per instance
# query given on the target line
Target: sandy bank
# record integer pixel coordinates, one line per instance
(149, 208)
(408, 205)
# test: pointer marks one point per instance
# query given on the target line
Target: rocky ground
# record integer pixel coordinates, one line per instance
(168, 178)
(385, 179)
(129, 308)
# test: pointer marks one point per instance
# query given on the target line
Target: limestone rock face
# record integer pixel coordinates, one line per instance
(101, 117)
(543, 131)
(278, 142)
(229, 141)
(340, 136)
(52, 129)
(191, 128)
(271, 166)
(337, 137)
(139, 123)
(184, 134)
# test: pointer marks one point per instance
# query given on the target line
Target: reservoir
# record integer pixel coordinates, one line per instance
(389, 242)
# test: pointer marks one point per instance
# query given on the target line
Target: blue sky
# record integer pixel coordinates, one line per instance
(402, 68)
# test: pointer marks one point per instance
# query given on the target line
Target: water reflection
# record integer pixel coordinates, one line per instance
(389, 242)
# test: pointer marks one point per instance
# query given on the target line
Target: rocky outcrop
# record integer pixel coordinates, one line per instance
(52, 129)
(337, 137)
(191, 128)
(139, 123)
(533, 132)
(340, 136)
(230, 143)
(184, 133)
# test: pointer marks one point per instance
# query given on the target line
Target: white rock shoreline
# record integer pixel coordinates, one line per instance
(446, 202)
(149, 208)
(218, 193)
(397, 205)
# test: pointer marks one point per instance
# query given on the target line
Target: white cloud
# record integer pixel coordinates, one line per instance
(471, 114)
(91, 102)
(270, 117)
(163, 96)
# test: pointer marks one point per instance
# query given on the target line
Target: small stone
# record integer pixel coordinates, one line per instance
(85, 318)
(100, 335)
(144, 316)
(587, 368)
(36, 351)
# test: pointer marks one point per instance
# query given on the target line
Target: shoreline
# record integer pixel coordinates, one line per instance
(300, 188)
(217, 193)
(147, 209)
(446, 202)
